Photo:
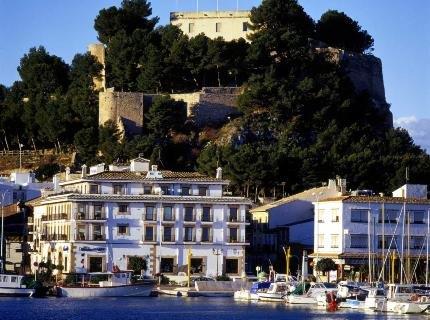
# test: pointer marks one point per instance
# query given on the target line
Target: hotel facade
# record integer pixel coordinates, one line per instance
(97, 222)
(354, 229)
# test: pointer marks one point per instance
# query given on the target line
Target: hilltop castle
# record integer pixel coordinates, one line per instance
(216, 105)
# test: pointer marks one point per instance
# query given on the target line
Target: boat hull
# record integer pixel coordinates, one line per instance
(143, 290)
(300, 299)
(16, 292)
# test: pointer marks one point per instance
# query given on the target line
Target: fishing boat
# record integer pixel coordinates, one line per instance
(118, 284)
(11, 286)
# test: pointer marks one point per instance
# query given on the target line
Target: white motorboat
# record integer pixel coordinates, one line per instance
(118, 284)
(11, 286)
(375, 296)
(276, 292)
(316, 294)
(252, 294)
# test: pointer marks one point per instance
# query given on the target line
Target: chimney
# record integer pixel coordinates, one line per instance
(55, 181)
(84, 171)
(67, 173)
(154, 167)
(219, 173)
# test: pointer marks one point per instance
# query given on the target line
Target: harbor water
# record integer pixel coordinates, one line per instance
(161, 308)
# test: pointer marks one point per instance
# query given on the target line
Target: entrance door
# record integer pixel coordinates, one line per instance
(96, 264)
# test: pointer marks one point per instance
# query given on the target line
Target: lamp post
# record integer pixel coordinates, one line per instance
(3, 195)
(217, 252)
(287, 258)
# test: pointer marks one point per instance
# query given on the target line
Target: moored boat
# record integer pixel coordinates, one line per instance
(118, 284)
(11, 286)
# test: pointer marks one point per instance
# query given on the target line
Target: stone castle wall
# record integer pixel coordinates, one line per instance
(97, 50)
(127, 107)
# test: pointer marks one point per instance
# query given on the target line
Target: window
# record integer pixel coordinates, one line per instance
(191, 27)
(81, 232)
(233, 234)
(245, 26)
(188, 234)
(65, 264)
(123, 229)
(206, 214)
(147, 189)
(196, 265)
(218, 27)
(168, 214)
(168, 234)
(97, 232)
(320, 241)
(123, 209)
(232, 266)
(335, 241)
(417, 242)
(233, 214)
(416, 217)
(118, 189)
(166, 190)
(335, 215)
(189, 216)
(94, 189)
(166, 265)
(98, 212)
(391, 215)
(321, 213)
(96, 264)
(149, 233)
(206, 234)
(203, 191)
(149, 214)
(185, 190)
(359, 215)
(359, 240)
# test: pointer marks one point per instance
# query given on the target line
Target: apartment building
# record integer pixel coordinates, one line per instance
(102, 219)
(353, 229)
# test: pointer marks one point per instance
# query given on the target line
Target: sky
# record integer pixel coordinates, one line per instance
(401, 30)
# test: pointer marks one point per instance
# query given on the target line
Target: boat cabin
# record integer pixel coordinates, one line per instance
(11, 281)
(114, 279)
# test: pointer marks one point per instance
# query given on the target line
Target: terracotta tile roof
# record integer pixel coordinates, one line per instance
(141, 198)
(377, 199)
(141, 176)
(307, 195)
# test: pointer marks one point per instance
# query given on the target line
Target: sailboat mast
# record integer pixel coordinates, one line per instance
(369, 243)
(427, 247)
(402, 244)
(383, 242)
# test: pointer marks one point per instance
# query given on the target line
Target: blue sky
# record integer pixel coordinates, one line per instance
(401, 30)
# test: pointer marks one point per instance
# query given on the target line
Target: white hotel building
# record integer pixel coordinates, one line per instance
(100, 220)
(350, 229)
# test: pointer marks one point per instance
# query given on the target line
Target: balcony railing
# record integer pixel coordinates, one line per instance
(206, 218)
(190, 238)
(54, 237)
(150, 238)
(233, 239)
(207, 239)
(236, 219)
(88, 216)
(189, 217)
(149, 217)
(56, 216)
(98, 237)
(169, 217)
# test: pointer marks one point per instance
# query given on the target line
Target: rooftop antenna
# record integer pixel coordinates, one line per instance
(217, 5)
(197, 4)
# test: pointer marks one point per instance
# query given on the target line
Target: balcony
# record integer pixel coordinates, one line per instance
(88, 216)
(235, 219)
(149, 217)
(54, 237)
(236, 240)
(98, 237)
(168, 217)
(56, 216)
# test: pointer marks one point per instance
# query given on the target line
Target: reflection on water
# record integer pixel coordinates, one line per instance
(168, 308)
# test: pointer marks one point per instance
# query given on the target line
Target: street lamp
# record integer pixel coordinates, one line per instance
(3, 195)
(217, 252)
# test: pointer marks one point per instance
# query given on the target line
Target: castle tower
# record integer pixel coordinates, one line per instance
(97, 50)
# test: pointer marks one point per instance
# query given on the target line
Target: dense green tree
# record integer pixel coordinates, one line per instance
(110, 145)
(338, 30)
(325, 265)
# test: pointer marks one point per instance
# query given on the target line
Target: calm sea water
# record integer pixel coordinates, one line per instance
(168, 308)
